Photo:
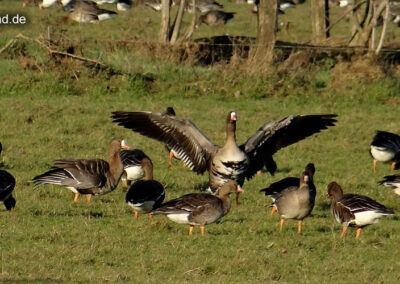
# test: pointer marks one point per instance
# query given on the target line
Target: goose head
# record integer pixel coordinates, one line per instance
(334, 191)
(228, 188)
(231, 124)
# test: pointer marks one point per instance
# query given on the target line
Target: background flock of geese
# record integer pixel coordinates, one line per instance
(228, 167)
(88, 11)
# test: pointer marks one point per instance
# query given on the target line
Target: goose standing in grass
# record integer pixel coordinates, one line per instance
(172, 153)
(296, 202)
(201, 5)
(354, 210)
(229, 162)
(278, 187)
(86, 11)
(199, 209)
(214, 18)
(153, 4)
(7, 184)
(124, 5)
(133, 161)
(385, 148)
(393, 182)
(87, 176)
(145, 195)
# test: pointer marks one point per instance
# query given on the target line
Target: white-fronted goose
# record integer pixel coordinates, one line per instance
(145, 195)
(296, 202)
(277, 187)
(7, 184)
(354, 210)
(153, 4)
(214, 18)
(201, 5)
(172, 153)
(392, 182)
(199, 208)
(84, 176)
(385, 148)
(124, 5)
(230, 162)
(86, 11)
(133, 162)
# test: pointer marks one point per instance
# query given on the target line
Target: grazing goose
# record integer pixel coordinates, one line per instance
(124, 5)
(199, 208)
(277, 187)
(201, 5)
(86, 11)
(393, 182)
(354, 210)
(133, 162)
(214, 18)
(7, 183)
(385, 148)
(145, 195)
(229, 162)
(296, 202)
(84, 176)
(153, 4)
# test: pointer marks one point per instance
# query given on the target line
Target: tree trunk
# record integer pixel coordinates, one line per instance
(164, 30)
(320, 20)
(178, 21)
(261, 55)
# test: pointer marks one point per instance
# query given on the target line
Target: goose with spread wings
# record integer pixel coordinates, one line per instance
(229, 162)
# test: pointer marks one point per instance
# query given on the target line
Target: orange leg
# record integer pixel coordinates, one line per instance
(358, 233)
(191, 230)
(273, 211)
(124, 183)
(202, 230)
(282, 221)
(136, 216)
(393, 166)
(343, 232)
(150, 217)
(299, 226)
(184, 165)
(171, 155)
(375, 165)
(88, 198)
(76, 196)
(237, 199)
(259, 173)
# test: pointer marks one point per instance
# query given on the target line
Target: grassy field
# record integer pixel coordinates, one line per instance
(59, 108)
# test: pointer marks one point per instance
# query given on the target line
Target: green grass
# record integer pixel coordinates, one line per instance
(52, 109)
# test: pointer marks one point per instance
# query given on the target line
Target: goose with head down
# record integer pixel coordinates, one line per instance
(145, 195)
(87, 176)
(385, 148)
(172, 153)
(134, 161)
(7, 184)
(199, 208)
(229, 162)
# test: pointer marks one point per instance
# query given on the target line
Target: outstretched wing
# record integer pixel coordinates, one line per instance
(179, 134)
(278, 134)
